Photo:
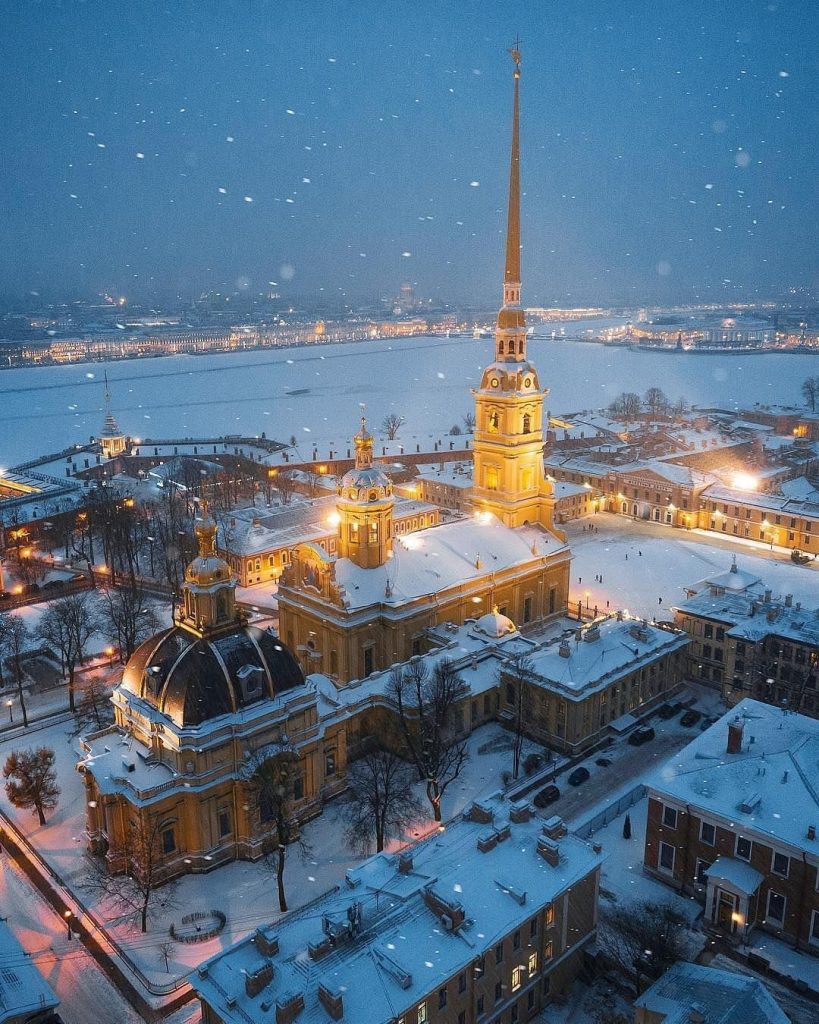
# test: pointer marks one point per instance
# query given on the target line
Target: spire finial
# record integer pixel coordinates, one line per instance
(512, 271)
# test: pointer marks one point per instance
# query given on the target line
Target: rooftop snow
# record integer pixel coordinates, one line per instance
(779, 759)
(23, 990)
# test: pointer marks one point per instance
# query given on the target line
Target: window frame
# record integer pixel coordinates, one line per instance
(713, 840)
(778, 921)
(787, 871)
(669, 811)
(737, 854)
(660, 866)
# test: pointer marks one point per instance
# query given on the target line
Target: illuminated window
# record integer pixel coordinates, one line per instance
(491, 478)
(422, 1013)
(517, 978)
(532, 963)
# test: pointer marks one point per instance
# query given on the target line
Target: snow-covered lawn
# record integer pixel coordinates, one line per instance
(640, 563)
(245, 892)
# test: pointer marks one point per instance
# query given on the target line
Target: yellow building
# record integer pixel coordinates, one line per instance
(368, 606)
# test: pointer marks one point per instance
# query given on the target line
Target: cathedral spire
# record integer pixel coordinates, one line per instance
(510, 336)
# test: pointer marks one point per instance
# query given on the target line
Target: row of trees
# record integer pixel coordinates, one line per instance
(655, 404)
(123, 616)
(810, 391)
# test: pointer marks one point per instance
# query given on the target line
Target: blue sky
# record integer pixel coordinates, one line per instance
(162, 149)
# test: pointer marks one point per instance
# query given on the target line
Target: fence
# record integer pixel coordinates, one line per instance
(613, 810)
(111, 957)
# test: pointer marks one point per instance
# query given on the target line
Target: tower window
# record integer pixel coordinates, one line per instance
(511, 348)
(527, 423)
(491, 478)
(494, 421)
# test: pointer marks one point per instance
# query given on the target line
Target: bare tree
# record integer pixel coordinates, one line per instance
(270, 774)
(68, 625)
(810, 391)
(626, 406)
(656, 402)
(427, 706)
(127, 617)
(285, 485)
(136, 890)
(32, 780)
(14, 638)
(518, 676)
(469, 422)
(642, 938)
(391, 424)
(680, 408)
(382, 803)
(165, 952)
(94, 708)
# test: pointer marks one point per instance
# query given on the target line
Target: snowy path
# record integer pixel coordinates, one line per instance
(85, 992)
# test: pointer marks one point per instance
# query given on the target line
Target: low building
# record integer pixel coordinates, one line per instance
(25, 998)
(258, 543)
(692, 994)
(448, 484)
(732, 820)
(487, 920)
(747, 642)
(604, 674)
(772, 519)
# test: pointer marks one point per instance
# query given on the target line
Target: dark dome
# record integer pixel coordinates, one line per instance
(192, 679)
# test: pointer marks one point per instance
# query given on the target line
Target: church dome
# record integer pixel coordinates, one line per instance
(207, 568)
(502, 378)
(495, 625)
(192, 679)
(365, 482)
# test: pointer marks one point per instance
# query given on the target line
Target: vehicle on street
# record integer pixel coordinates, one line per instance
(666, 711)
(546, 796)
(604, 762)
(641, 736)
(578, 776)
(690, 718)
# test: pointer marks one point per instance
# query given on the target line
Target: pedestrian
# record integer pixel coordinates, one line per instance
(601, 578)
(627, 556)
(640, 553)
(659, 600)
(579, 579)
(607, 604)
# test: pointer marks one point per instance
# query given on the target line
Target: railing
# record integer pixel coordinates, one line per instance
(613, 810)
(106, 950)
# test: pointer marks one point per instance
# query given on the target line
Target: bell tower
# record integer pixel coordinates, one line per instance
(508, 472)
(209, 587)
(365, 504)
(112, 439)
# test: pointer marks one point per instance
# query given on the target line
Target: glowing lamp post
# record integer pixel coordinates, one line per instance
(68, 915)
(9, 704)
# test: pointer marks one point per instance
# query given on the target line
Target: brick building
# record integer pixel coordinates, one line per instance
(486, 921)
(732, 820)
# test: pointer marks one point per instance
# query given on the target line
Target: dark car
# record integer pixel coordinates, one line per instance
(547, 796)
(690, 718)
(641, 736)
(604, 762)
(578, 775)
(666, 711)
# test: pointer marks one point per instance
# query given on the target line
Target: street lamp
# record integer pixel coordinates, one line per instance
(68, 915)
(9, 704)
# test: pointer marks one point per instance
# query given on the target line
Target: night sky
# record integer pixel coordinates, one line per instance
(337, 149)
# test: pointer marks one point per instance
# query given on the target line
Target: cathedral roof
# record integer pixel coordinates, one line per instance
(495, 625)
(192, 679)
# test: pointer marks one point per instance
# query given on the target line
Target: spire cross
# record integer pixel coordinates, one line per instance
(514, 50)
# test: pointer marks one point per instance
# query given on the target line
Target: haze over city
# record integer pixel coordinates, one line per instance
(159, 151)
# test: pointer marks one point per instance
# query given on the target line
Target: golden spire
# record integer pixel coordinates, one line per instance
(512, 272)
(363, 446)
(205, 529)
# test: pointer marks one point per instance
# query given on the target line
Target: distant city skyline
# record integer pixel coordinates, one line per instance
(332, 151)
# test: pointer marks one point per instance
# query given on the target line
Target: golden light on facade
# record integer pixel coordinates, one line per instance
(334, 519)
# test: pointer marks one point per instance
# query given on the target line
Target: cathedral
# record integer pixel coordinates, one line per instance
(370, 604)
(204, 705)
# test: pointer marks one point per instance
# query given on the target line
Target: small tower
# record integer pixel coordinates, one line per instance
(209, 587)
(112, 439)
(508, 446)
(365, 503)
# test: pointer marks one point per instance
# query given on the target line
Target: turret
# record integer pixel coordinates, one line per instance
(365, 504)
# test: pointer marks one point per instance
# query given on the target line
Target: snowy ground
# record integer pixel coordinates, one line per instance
(244, 891)
(670, 560)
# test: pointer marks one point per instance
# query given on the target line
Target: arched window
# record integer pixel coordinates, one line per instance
(511, 348)
(527, 423)
(221, 607)
(520, 346)
(494, 421)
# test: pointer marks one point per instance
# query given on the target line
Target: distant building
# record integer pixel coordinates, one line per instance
(692, 994)
(488, 921)
(25, 998)
(746, 642)
(732, 820)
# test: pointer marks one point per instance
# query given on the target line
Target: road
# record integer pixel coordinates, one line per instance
(86, 994)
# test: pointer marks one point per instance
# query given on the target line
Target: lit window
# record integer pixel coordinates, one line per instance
(422, 1013)
(517, 978)
(532, 963)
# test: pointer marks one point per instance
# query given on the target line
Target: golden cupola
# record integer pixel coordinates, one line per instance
(365, 504)
(209, 587)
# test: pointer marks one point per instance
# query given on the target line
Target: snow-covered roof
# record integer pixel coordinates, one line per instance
(722, 997)
(800, 488)
(768, 502)
(453, 474)
(600, 654)
(23, 990)
(441, 557)
(773, 776)
(393, 943)
(737, 873)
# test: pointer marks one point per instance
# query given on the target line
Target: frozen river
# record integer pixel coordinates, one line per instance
(425, 379)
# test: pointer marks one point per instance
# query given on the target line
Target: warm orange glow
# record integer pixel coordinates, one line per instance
(745, 482)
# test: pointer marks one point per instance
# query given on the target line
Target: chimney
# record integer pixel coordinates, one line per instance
(798, 606)
(288, 1006)
(332, 1000)
(768, 595)
(735, 727)
(255, 982)
(404, 863)
(811, 831)
(548, 850)
(788, 600)
(564, 650)
(266, 941)
(695, 1015)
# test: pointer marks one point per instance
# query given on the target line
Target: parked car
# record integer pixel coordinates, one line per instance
(578, 776)
(641, 736)
(604, 762)
(546, 796)
(690, 717)
(706, 723)
(666, 711)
